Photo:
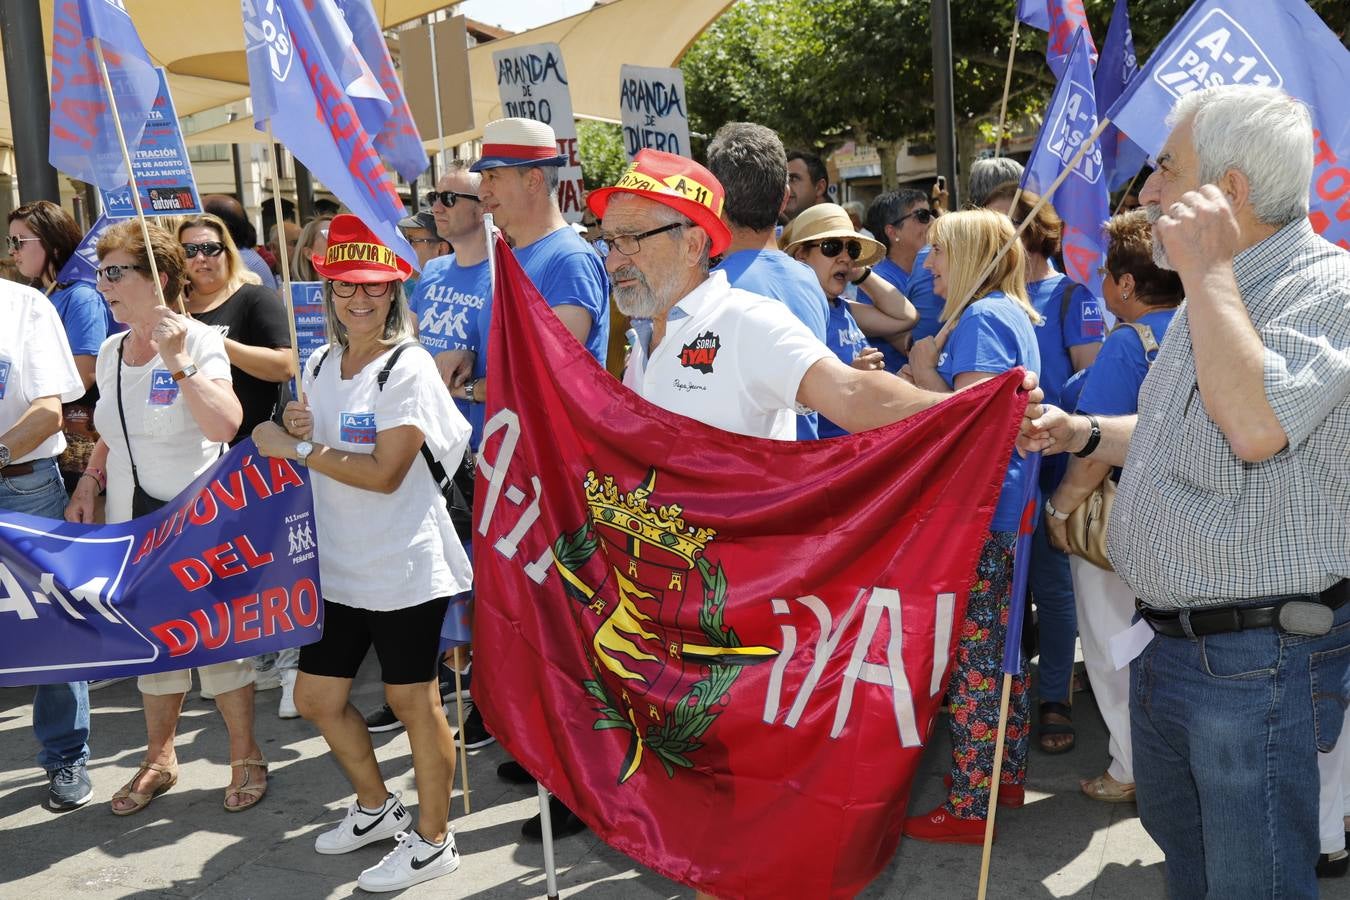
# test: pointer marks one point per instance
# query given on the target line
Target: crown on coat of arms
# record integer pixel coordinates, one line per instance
(633, 514)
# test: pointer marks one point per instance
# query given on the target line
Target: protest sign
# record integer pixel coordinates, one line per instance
(311, 328)
(653, 111)
(532, 84)
(160, 161)
(227, 569)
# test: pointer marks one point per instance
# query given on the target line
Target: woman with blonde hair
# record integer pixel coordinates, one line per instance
(152, 444)
(988, 329)
(313, 242)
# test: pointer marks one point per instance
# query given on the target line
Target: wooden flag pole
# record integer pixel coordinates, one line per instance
(131, 178)
(275, 172)
(1007, 84)
(463, 750)
(1040, 204)
(994, 779)
(1129, 187)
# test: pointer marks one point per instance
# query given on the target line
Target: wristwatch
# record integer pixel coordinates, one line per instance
(866, 274)
(1094, 438)
(1054, 513)
(469, 390)
(186, 372)
(302, 451)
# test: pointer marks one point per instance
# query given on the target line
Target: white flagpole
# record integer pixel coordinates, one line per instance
(275, 172)
(1007, 83)
(131, 177)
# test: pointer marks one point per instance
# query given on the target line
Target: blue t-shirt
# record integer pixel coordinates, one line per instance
(1113, 381)
(846, 339)
(772, 273)
(917, 285)
(85, 315)
(568, 272)
(1082, 323)
(453, 305)
(994, 335)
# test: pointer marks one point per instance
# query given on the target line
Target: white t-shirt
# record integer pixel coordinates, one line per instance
(35, 361)
(166, 442)
(386, 551)
(729, 358)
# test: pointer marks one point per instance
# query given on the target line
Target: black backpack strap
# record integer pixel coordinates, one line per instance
(383, 377)
(323, 354)
(1065, 292)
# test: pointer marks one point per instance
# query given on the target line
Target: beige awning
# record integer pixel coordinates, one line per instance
(201, 44)
(594, 44)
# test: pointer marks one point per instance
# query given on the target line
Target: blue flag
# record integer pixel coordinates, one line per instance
(1081, 200)
(1031, 511)
(396, 138)
(1062, 19)
(227, 569)
(1276, 43)
(1121, 157)
(83, 134)
(297, 87)
(83, 263)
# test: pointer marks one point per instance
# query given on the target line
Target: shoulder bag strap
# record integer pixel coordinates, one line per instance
(121, 413)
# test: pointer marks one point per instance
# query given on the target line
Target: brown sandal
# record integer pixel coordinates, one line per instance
(142, 800)
(253, 791)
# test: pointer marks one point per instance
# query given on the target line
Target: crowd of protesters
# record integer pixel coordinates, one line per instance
(1218, 427)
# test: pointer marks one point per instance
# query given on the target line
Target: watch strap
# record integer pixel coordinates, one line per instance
(1094, 438)
(186, 372)
(1054, 513)
(866, 274)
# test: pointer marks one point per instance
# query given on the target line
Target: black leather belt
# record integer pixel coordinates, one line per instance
(17, 469)
(1222, 619)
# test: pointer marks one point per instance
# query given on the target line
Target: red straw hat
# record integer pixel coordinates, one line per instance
(355, 254)
(677, 182)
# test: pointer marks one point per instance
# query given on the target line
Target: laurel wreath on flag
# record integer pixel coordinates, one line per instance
(677, 736)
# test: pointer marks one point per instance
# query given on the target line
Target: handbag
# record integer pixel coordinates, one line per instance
(142, 503)
(1086, 527)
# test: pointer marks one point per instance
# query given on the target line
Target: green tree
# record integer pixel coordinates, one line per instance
(600, 146)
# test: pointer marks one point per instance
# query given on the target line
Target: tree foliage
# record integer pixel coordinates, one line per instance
(821, 72)
(600, 146)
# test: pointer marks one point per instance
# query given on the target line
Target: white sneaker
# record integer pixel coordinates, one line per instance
(413, 861)
(359, 827)
(286, 708)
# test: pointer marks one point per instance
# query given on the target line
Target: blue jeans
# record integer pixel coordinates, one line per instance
(1051, 583)
(1225, 733)
(60, 711)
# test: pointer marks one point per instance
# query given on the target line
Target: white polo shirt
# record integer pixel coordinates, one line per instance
(729, 358)
(35, 362)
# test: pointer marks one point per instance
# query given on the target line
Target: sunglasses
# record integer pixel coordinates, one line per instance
(434, 240)
(832, 247)
(16, 243)
(114, 274)
(923, 214)
(447, 198)
(210, 248)
(346, 289)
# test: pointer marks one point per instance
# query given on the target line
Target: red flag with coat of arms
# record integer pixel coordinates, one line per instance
(723, 653)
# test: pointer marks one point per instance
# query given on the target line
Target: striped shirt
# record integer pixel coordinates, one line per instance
(1193, 525)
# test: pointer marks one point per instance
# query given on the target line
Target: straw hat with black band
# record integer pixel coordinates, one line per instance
(829, 220)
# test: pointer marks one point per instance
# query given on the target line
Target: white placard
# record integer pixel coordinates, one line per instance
(653, 110)
(532, 84)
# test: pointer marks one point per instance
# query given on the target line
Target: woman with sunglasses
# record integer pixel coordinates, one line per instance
(313, 242)
(221, 292)
(391, 559)
(989, 328)
(1070, 338)
(42, 239)
(165, 409)
(823, 238)
(899, 220)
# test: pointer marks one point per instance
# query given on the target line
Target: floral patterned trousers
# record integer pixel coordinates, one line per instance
(977, 683)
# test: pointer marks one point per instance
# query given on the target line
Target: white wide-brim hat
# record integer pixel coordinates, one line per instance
(518, 142)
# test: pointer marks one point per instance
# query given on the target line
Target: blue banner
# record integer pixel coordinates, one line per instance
(1081, 200)
(296, 86)
(1122, 158)
(396, 136)
(1061, 19)
(83, 134)
(1276, 43)
(83, 263)
(311, 328)
(163, 173)
(227, 569)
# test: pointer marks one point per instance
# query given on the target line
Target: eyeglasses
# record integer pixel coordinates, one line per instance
(434, 240)
(447, 198)
(832, 247)
(923, 214)
(345, 289)
(210, 248)
(114, 274)
(630, 244)
(16, 243)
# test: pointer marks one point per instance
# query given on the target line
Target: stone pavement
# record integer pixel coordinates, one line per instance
(1060, 845)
